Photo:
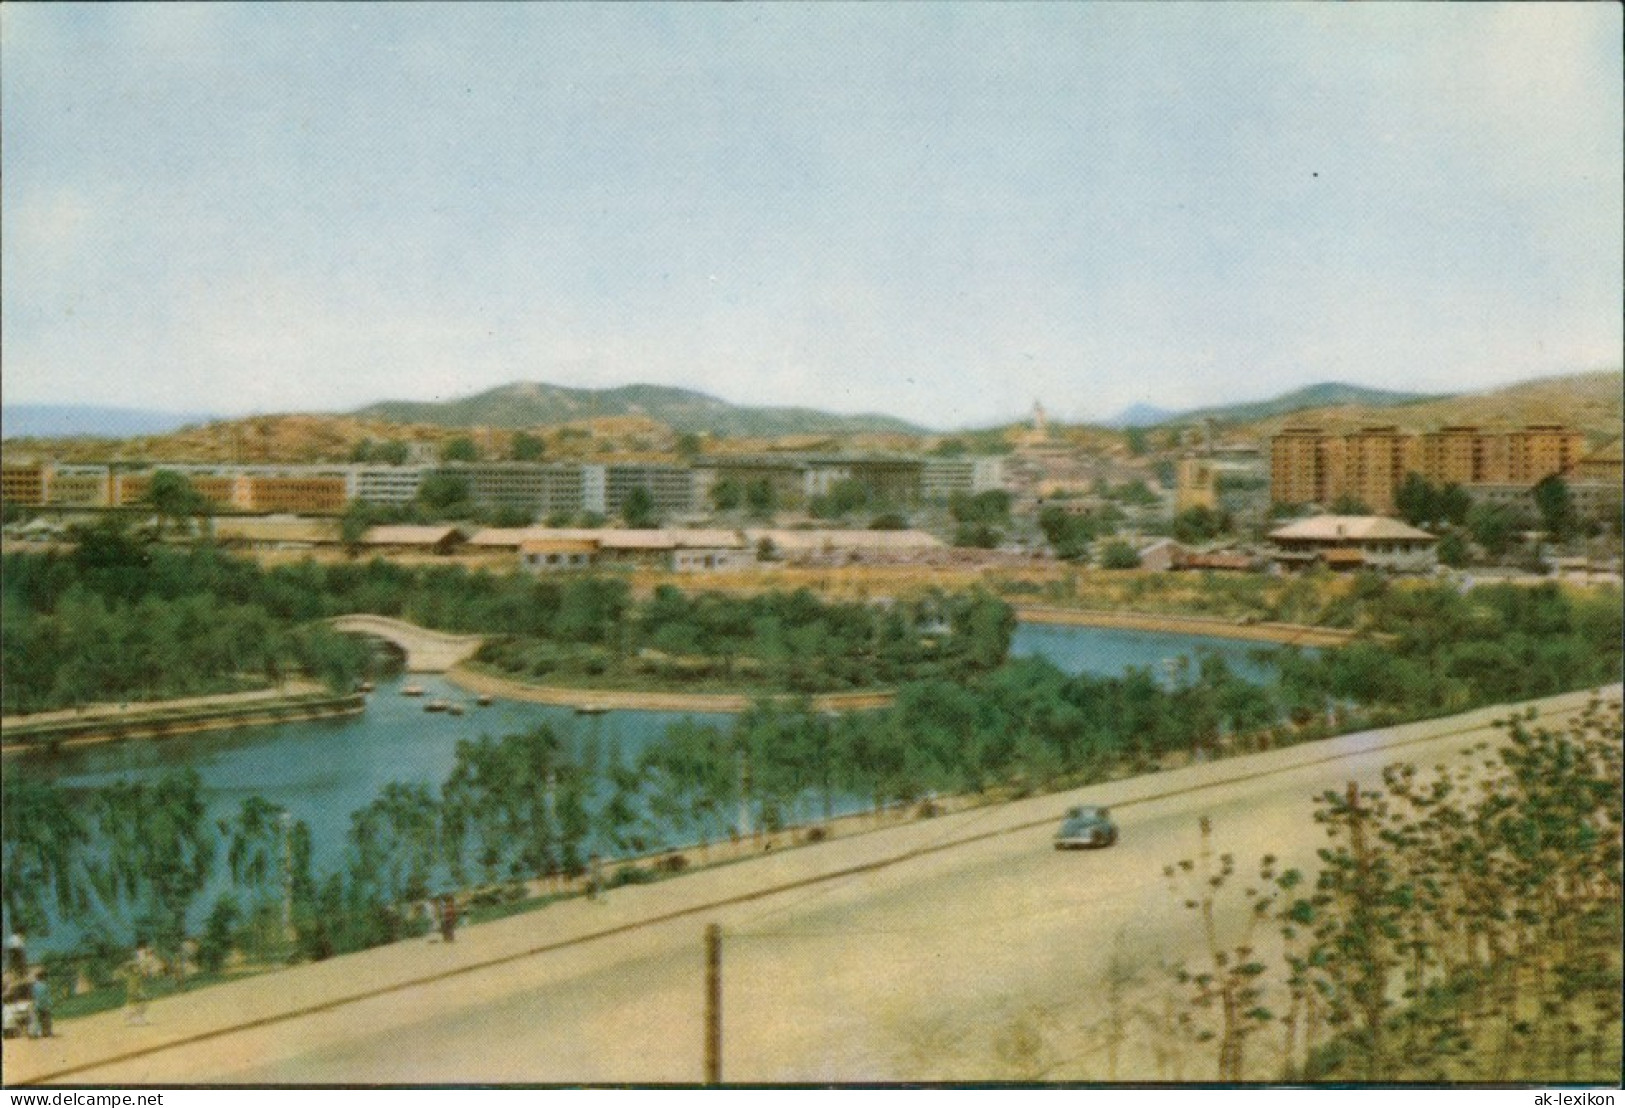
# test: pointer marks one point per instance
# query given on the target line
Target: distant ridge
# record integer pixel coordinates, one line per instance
(535, 404)
(1141, 415)
(58, 421)
(1329, 394)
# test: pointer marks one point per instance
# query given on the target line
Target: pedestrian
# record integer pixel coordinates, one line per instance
(135, 973)
(17, 954)
(448, 919)
(39, 1021)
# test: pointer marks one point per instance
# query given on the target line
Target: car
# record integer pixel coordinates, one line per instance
(1086, 828)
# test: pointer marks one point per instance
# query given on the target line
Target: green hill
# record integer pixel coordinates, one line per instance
(535, 404)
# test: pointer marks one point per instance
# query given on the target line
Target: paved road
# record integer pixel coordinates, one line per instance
(955, 949)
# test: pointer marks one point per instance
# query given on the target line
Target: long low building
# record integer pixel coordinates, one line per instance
(1354, 542)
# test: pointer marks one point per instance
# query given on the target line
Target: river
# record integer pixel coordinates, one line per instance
(323, 770)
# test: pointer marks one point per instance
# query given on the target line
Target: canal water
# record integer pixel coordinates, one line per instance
(323, 770)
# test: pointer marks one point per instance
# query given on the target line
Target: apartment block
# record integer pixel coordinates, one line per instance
(22, 483)
(1310, 466)
(1305, 466)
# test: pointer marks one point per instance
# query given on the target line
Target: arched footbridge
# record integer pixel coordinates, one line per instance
(426, 651)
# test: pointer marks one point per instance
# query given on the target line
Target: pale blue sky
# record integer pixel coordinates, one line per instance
(939, 211)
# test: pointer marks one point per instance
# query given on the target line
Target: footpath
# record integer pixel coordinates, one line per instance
(84, 1048)
(95, 723)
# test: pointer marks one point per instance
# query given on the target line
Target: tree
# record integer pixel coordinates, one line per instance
(446, 494)
(1495, 527)
(1555, 504)
(459, 449)
(174, 498)
(1119, 555)
(844, 497)
(727, 494)
(527, 447)
(991, 507)
(47, 854)
(761, 498)
(160, 851)
(1200, 524)
(1452, 550)
(638, 509)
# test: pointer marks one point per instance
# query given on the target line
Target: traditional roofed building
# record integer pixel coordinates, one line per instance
(1354, 542)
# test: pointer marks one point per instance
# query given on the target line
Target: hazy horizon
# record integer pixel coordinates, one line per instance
(937, 212)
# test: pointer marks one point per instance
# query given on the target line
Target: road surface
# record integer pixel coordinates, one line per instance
(956, 949)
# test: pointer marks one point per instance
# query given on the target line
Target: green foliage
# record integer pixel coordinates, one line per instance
(990, 508)
(526, 447)
(174, 498)
(1119, 555)
(1423, 504)
(1463, 927)
(727, 494)
(1200, 524)
(638, 509)
(1495, 527)
(979, 536)
(843, 498)
(1555, 504)
(760, 498)
(459, 449)
(1452, 550)
(446, 494)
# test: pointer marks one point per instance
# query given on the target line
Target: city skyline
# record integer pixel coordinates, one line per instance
(936, 212)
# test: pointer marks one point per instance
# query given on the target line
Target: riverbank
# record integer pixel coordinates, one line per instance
(1292, 634)
(101, 723)
(564, 696)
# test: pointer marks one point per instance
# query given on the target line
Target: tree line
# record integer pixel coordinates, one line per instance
(119, 618)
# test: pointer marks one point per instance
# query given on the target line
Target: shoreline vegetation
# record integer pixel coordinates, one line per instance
(300, 701)
(42, 732)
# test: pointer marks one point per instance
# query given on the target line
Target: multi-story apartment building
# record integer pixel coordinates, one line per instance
(1375, 461)
(79, 486)
(1308, 465)
(670, 487)
(316, 494)
(1305, 466)
(1537, 452)
(1195, 484)
(23, 483)
(942, 478)
(378, 484)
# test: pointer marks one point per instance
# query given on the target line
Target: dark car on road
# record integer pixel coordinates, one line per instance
(1085, 828)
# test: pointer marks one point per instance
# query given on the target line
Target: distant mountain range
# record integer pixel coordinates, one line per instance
(56, 421)
(533, 404)
(1330, 394)
(1588, 401)
(1141, 415)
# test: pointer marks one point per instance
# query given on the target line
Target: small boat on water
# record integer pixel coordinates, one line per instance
(365, 686)
(436, 706)
(454, 709)
(484, 700)
(411, 690)
(590, 709)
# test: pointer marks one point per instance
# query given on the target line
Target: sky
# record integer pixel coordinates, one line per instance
(939, 211)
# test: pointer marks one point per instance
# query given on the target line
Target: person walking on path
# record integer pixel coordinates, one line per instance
(448, 918)
(135, 973)
(39, 1020)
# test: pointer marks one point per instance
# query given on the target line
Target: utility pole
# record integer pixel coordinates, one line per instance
(713, 1004)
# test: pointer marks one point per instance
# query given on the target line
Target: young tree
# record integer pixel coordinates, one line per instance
(638, 509)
